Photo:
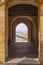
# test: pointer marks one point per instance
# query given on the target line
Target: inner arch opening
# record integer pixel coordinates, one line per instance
(21, 33)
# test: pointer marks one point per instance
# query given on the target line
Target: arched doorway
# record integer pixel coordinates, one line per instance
(21, 33)
(23, 49)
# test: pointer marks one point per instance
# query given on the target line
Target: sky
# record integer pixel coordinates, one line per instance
(22, 27)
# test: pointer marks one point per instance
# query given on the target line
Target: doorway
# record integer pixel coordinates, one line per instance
(20, 14)
(21, 33)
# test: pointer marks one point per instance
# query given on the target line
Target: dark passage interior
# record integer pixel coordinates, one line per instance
(20, 14)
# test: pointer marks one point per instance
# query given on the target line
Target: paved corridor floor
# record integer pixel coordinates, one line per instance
(23, 61)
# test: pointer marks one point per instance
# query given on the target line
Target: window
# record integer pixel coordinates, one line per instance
(21, 33)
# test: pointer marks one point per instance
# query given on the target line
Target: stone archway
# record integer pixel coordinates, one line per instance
(26, 15)
(22, 20)
(5, 17)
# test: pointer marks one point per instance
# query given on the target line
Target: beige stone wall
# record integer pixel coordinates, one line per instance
(41, 36)
(41, 39)
(2, 33)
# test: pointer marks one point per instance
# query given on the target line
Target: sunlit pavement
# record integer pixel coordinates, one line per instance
(23, 61)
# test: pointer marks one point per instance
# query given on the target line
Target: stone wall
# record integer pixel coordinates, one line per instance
(41, 36)
(2, 34)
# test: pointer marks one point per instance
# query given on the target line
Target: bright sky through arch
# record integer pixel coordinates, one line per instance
(22, 28)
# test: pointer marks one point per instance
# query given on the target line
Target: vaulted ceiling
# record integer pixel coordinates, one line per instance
(23, 9)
